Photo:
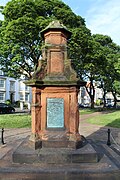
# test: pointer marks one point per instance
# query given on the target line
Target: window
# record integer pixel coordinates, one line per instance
(26, 88)
(2, 83)
(21, 97)
(26, 97)
(12, 86)
(2, 97)
(21, 86)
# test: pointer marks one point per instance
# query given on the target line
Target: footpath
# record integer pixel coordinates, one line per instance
(98, 133)
(108, 166)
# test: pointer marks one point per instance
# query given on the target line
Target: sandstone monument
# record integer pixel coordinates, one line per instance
(55, 115)
(55, 134)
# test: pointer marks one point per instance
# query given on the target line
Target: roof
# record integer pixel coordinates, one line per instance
(55, 26)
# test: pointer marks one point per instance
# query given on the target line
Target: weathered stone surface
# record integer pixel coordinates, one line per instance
(55, 79)
(54, 66)
(25, 153)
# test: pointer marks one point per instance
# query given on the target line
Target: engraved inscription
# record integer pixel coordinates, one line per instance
(55, 112)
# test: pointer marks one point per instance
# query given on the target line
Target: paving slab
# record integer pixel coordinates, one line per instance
(4, 150)
(26, 153)
(107, 167)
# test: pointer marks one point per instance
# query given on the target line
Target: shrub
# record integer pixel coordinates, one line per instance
(8, 102)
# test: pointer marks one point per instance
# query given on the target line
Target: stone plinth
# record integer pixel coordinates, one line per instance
(27, 154)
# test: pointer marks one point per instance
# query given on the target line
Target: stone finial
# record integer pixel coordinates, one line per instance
(56, 25)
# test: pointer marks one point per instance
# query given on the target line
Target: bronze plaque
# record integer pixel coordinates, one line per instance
(55, 112)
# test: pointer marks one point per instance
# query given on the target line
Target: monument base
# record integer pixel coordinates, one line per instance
(26, 153)
(57, 139)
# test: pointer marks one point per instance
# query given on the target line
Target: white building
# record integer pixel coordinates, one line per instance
(84, 98)
(14, 90)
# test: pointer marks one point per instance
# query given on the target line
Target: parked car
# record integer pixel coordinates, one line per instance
(110, 104)
(5, 108)
(84, 106)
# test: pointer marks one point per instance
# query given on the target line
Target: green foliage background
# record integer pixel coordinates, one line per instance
(96, 58)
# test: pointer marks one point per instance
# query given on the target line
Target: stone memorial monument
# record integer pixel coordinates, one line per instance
(55, 113)
(55, 116)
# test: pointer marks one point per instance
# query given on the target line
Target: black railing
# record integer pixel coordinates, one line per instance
(2, 136)
(108, 141)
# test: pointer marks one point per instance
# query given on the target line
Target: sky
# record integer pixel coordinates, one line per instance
(101, 16)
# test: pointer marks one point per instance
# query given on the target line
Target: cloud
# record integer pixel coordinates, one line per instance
(4, 2)
(104, 18)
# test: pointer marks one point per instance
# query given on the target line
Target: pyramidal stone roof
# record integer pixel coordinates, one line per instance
(54, 26)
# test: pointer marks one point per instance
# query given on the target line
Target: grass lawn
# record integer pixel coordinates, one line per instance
(108, 118)
(87, 111)
(111, 119)
(15, 120)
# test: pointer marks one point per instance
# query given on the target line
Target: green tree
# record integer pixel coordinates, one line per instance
(110, 71)
(95, 58)
(87, 57)
(20, 38)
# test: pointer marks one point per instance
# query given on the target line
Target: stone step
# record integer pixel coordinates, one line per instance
(105, 168)
(25, 153)
(113, 156)
(4, 150)
(91, 171)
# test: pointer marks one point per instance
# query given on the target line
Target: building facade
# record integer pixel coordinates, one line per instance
(84, 98)
(14, 90)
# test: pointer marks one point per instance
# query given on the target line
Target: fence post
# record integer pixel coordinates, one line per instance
(108, 141)
(2, 137)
